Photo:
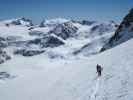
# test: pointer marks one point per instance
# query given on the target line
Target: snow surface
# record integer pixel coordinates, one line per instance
(21, 32)
(40, 78)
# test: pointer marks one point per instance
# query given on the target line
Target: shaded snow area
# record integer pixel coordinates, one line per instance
(39, 78)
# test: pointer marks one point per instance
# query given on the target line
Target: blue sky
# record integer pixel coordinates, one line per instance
(42, 9)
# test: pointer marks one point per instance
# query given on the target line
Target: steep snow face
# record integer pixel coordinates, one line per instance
(37, 78)
(123, 33)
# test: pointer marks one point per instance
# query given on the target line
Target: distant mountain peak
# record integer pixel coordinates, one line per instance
(23, 21)
(53, 22)
(19, 21)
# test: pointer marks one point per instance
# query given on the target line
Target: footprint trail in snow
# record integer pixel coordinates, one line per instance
(95, 88)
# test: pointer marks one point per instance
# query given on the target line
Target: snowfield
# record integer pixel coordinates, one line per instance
(40, 78)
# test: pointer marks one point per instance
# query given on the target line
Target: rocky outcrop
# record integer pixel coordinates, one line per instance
(86, 22)
(102, 28)
(5, 75)
(65, 30)
(22, 21)
(26, 52)
(47, 41)
(3, 56)
(3, 42)
(123, 33)
(42, 24)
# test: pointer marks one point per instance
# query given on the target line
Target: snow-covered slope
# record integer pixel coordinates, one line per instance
(123, 33)
(37, 78)
(98, 35)
(20, 21)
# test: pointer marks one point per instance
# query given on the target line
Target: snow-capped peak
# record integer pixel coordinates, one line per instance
(53, 22)
(19, 21)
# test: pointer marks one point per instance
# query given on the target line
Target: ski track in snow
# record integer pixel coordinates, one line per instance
(94, 90)
(91, 94)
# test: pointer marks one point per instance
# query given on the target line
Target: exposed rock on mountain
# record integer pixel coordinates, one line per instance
(3, 56)
(3, 42)
(42, 24)
(65, 30)
(123, 33)
(25, 52)
(86, 22)
(19, 21)
(5, 75)
(47, 41)
(102, 27)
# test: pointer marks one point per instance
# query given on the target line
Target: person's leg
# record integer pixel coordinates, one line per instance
(99, 73)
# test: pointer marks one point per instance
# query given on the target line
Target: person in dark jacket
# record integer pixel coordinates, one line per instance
(99, 69)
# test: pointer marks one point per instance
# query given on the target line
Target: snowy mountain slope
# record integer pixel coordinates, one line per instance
(20, 21)
(21, 32)
(70, 79)
(94, 46)
(98, 35)
(65, 30)
(123, 33)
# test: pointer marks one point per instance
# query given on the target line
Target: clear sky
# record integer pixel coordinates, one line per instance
(43, 9)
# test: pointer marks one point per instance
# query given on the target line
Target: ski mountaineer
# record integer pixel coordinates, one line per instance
(99, 70)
